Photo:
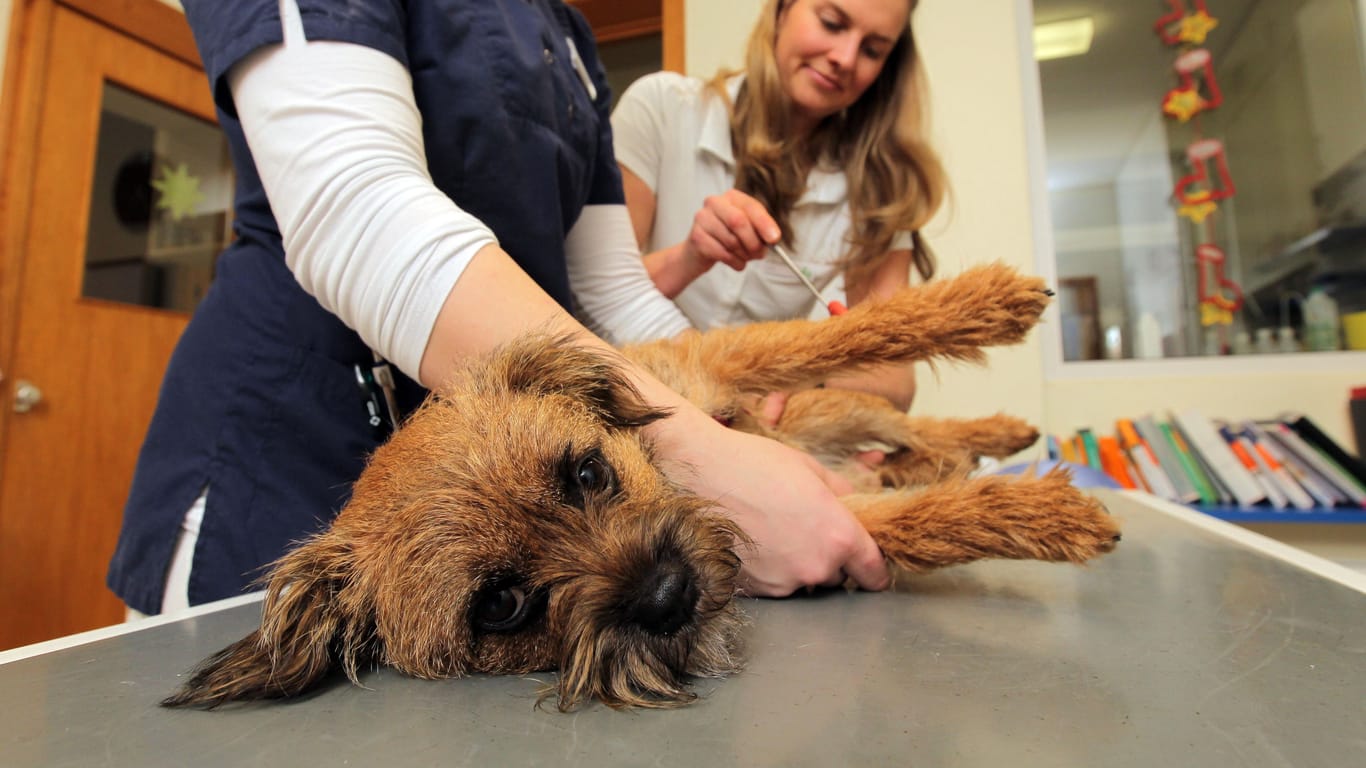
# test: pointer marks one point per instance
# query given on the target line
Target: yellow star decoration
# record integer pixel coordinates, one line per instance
(1197, 212)
(1212, 315)
(179, 191)
(1197, 207)
(1196, 26)
(1183, 105)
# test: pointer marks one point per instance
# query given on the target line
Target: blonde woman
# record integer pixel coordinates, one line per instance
(819, 143)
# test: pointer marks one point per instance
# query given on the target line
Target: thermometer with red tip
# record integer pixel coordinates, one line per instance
(835, 307)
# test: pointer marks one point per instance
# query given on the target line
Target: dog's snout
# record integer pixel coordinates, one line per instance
(665, 600)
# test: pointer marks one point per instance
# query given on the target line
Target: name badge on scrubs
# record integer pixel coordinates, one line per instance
(577, 62)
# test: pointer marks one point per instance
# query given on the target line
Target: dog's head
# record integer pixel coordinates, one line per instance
(515, 523)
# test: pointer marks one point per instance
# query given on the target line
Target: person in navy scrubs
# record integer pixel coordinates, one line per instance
(414, 182)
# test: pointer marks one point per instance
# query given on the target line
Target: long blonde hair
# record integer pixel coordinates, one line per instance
(895, 179)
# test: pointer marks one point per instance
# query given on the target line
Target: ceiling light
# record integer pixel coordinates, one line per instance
(1058, 39)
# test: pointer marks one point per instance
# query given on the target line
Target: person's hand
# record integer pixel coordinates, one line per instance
(783, 500)
(732, 228)
(770, 412)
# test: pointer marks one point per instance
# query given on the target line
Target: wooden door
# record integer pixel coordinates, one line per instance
(1079, 305)
(67, 460)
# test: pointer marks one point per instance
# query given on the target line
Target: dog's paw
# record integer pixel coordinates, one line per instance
(1072, 526)
(1007, 435)
(960, 520)
(996, 436)
(992, 305)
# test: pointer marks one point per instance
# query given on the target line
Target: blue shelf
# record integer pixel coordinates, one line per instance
(1341, 515)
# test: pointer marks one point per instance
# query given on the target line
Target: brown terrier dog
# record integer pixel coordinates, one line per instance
(517, 522)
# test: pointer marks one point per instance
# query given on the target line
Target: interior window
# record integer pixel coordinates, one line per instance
(1206, 175)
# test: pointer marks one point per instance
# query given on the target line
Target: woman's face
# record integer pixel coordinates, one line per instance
(829, 51)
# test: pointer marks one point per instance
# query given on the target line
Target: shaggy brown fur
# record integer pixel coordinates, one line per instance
(518, 522)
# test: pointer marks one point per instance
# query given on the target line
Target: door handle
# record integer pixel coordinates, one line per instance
(26, 395)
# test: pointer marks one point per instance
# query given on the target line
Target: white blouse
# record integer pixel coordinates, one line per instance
(675, 135)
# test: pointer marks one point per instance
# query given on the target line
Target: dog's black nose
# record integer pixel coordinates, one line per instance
(665, 600)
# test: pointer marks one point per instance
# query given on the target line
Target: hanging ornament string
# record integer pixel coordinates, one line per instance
(1208, 181)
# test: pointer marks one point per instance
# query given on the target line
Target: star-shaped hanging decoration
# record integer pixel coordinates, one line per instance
(1211, 314)
(1197, 212)
(1183, 104)
(179, 191)
(1196, 26)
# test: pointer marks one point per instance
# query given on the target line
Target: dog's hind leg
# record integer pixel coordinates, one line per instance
(959, 521)
(951, 447)
(835, 426)
(996, 436)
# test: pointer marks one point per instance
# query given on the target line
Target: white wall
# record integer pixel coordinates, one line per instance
(1336, 108)
(987, 126)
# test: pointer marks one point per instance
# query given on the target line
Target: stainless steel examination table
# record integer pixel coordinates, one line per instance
(1194, 644)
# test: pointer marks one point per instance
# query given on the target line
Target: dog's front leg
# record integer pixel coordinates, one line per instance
(962, 520)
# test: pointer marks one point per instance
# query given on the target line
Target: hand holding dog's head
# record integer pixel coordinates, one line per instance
(514, 524)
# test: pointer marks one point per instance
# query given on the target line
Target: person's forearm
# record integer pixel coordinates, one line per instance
(336, 136)
(672, 269)
(896, 383)
(613, 294)
(493, 303)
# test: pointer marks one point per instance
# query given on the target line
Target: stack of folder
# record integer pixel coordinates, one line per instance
(1286, 462)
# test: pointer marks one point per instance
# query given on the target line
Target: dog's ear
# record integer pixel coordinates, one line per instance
(557, 365)
(306, 632)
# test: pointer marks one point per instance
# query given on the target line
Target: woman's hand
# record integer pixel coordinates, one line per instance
(802, 535)
(732, 228)
(770, 412)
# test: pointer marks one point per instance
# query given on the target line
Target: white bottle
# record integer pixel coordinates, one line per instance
(1114, 343)
(1266, 341)
(1148, 339)
(1321, 321)
(1285, 340)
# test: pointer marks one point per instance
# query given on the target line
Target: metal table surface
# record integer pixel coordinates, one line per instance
(1193, 644)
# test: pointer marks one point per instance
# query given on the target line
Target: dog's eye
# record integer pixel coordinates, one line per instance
(589, 475)
(593, 474)
(502, 609)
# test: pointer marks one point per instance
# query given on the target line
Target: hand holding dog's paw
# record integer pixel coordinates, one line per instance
(801, 535)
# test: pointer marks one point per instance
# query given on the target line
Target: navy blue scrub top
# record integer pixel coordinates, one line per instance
(260, 402)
